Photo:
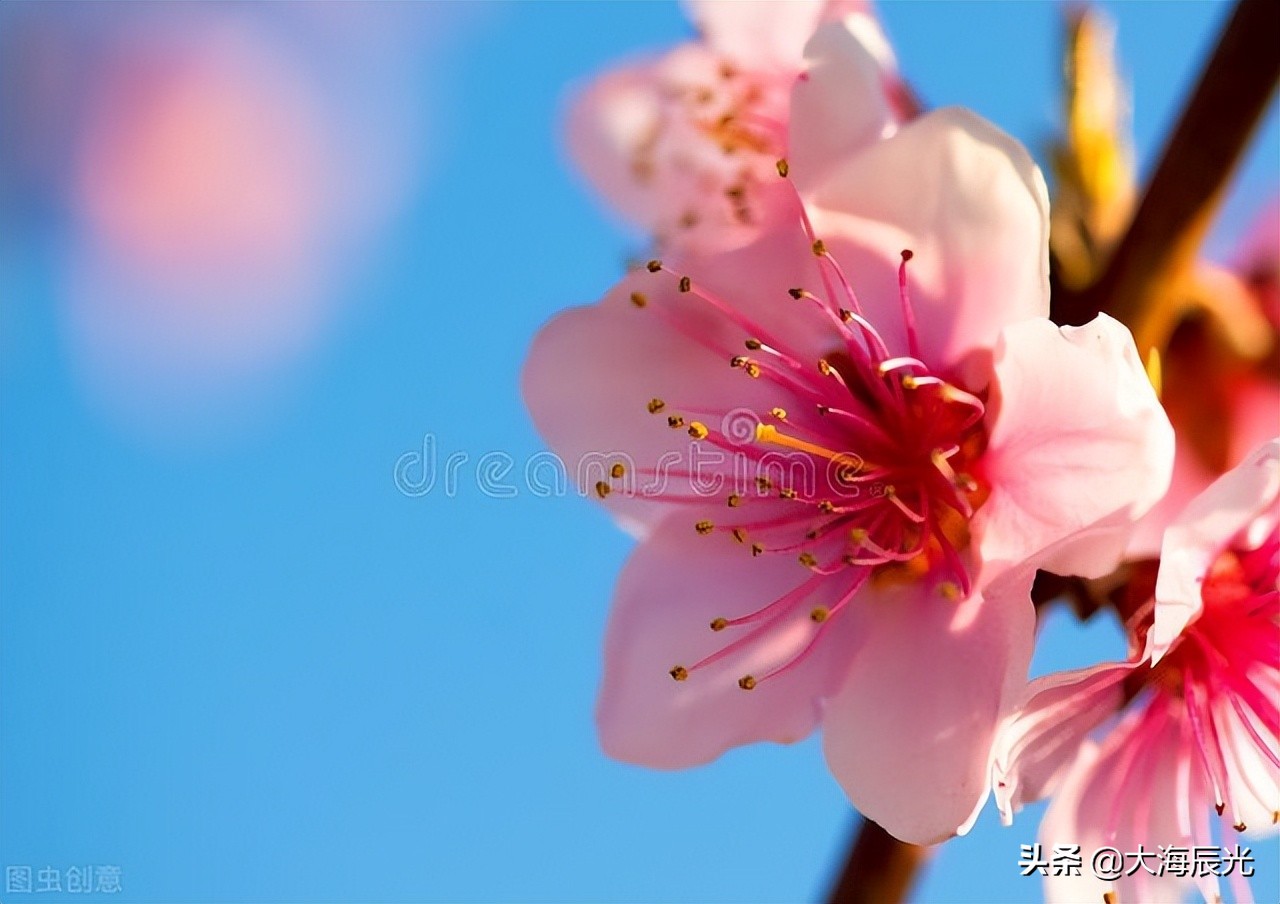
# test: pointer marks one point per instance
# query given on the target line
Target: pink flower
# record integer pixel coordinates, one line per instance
(1191, 722)
(685, 144)
(852, 491)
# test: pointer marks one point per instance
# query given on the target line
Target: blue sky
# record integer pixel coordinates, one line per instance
(243, 666)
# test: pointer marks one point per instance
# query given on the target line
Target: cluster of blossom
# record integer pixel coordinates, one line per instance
(871, 282)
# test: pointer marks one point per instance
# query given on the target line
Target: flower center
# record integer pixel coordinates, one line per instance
(723, 129)
(1222, 674)
(868, 469)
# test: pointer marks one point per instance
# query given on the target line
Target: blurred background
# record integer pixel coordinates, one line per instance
(275, 624)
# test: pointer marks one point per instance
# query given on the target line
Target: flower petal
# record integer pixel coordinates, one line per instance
(672, 587)
(970, 203)
(592, 371)
(840, 104)
(764, 33)
(1079, 450)
(606, 125)
(1042, 739)
(909, 734)
(1198, 536)
(1106, 790)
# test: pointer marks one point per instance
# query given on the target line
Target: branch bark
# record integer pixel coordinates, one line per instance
(880, 869)
(1166, 231)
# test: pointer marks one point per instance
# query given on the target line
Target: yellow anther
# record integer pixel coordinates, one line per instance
(675, 422)
(819, 248)
(719, 624)
(786, 493)
(757, 550)
(680, 673)
(685, 284)
(618, 471)
(734, 500)
(819, 614)
(653, 266)
(779, 413)
(783, 168)
(764, 484)
(656, 405)
(950, 590)
(602, 489)
(858, 535)
(1110, 897)
(704, 527)
(824, 367)
(739, 361)
(739, 534)
(638, 299)
(808, 560)
(752, 369)
(826, 506)
(1155, 373)
(698, 430)
(909, 382)
(747, 683)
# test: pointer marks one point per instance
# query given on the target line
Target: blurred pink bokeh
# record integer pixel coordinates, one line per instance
(211, 177)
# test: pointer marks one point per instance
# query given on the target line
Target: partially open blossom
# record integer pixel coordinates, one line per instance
(847, 446)
(1141, 752)
(1221, 372)
(684, 144)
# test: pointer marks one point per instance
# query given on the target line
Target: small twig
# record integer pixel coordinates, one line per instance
(1229, 100)
(880, 869)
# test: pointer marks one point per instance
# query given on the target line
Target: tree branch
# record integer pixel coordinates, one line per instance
(1186, 188)
(880, 868)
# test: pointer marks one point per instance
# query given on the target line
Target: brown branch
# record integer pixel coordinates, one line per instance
(1229, 100)
(880, 868)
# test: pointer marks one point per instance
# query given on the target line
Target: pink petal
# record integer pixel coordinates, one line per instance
(762, 34)
(591, 371)
(1043, 737)
(1200, 534)
(1140, 802)
(672, 587)
(1255, 781)
(1079, 450)
(910, 732)
(970, 203)
(841, 104)
(606, 124)
(1189, 478)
